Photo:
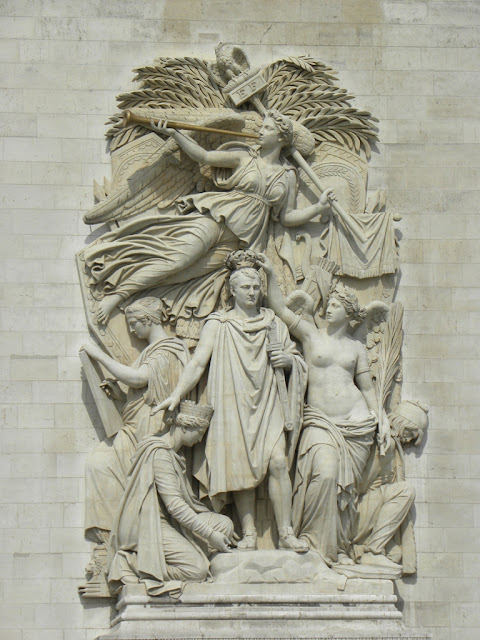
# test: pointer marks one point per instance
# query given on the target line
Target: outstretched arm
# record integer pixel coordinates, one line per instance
(193, 371)
(136, 378)
(297, 327)
(230, 159)
(292, 217)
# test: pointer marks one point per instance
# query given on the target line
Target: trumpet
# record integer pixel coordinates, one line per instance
(130, 118)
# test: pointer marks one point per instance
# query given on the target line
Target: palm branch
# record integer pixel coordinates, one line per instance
(305, 90)
(389, 356)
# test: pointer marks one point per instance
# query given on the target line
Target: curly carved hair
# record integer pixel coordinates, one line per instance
(284, 126)
(145, 309)
(249, 272)
(349, 301)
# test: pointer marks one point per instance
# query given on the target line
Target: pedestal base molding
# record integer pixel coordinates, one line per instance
(252, 612)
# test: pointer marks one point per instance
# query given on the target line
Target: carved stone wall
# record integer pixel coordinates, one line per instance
(414, 66)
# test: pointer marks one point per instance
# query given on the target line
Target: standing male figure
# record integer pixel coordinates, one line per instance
(246, 439)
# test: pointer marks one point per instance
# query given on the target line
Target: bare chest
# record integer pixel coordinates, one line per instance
(325, 352)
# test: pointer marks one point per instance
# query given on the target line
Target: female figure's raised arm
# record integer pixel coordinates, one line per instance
(297, 327)
(231, 159)
(135, 378)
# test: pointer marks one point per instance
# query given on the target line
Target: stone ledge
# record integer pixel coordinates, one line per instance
(212, 611)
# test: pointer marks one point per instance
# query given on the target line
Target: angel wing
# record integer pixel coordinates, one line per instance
(166, 173)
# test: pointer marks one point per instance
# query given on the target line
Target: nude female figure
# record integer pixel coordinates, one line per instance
(339, 422)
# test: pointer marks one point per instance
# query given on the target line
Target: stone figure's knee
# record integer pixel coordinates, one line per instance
(278, 464)
(221, 523)
(196, 570)
(325, 465)
(407, 490)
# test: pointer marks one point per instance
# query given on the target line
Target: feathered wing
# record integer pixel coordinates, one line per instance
(158, 183)
(305, 90)
(167, 173)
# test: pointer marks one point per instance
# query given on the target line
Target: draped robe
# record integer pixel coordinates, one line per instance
(181, 253)
(248, 418)
(325, 508)
(108, 465)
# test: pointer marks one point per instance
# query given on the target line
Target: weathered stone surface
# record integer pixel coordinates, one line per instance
(348, 36)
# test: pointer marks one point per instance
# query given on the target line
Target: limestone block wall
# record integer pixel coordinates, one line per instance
(415, 65)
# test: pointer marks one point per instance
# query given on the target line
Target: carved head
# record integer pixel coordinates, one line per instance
(192, 421)
(409, 421)
(145, 310)
(245, 287)
(349, 302)
(277, 128)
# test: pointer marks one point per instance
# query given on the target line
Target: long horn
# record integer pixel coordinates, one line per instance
(130, 118)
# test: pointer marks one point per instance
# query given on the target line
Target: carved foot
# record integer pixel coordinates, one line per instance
(105, 308)
(287, 540)
(96, 585)
(378, 560)
(94, 590)
(248, 542)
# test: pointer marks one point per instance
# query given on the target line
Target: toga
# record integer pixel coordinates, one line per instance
(248, 419)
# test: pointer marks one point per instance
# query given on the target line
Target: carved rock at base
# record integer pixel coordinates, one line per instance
(273, 567)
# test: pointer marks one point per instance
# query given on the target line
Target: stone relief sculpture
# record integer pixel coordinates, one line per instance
(150, 380)
(160, 525)
(173, 248)
(339, 422)
(246, 437)
(386, 497)
(262, 274)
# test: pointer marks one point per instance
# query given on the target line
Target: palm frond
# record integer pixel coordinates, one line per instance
(390, 353)
(305, 89)
(170, 83)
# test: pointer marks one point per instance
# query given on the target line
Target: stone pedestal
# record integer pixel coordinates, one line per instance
(323, 605)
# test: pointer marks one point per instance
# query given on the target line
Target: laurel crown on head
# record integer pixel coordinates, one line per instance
(242, 259)
(349, 301)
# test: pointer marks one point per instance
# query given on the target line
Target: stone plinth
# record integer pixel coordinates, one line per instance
(365, 609)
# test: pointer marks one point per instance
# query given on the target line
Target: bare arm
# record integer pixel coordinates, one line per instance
(299, 328)
(230, 159)
(292, 217)
(136, 378)
(364, 382)
(194, 369)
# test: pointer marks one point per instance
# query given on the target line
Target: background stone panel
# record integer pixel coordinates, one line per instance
(415, 65)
